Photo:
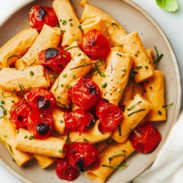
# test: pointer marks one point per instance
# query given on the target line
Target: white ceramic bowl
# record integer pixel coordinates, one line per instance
(132, 18)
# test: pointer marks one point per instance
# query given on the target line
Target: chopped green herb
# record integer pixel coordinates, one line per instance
(21, 86)
(64, 22)
(85, 140)
(79, 54)
(118, 54)
(74, 76)
(56, 86)
(104, 85)
(63, 31)
(62, 85)
(61, 121)
(108, 166)
(122, 166)
(80, 27)
(18, 131)
(31, 73)
(117, 155)
(12, 101)
(31, 137)
(168, 106)
(11, 150)
(60, 151)
(32, 63)
(58, 97)
(140, 110)
(2, 102)
(65, 75)
(62, 105)
(5, 96)
(3, 111)
(69, 48)
(70, 20)
(25, 137)
(133, 106)
(159, 56)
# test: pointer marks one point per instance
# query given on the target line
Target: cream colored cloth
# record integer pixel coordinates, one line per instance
(168, 167)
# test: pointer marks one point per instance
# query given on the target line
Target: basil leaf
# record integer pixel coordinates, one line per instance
(168, 5)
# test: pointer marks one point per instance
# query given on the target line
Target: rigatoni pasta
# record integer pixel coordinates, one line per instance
(47, 38)
(134, 113)
(18, 80)
(154, 92)
(17, 46)
(116, 76)
(50, 147)
(68, 21)
(111, 158)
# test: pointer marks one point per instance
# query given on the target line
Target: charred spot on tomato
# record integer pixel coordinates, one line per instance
(91, 88)
(80, 165)
(20, 118)
(43, 128)
(41, 14)
(91, 124)
(51, 52)
(43, 103)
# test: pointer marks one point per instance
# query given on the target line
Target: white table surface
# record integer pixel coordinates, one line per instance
(172, 24)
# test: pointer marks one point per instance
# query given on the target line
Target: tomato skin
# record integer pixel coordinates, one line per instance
(40, 99)
(19, 114)
(40, 124)
(54, 58)
(40, 15)
(66, 171)
(95, 45)
(110, 116)
(82, 155)
(85, 93)
(78, 120)
(145, 139)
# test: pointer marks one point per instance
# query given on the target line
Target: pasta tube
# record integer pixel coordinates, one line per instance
(44, 161)
(110, 160)
(47, 38)
(16, 47)
(132, 45)
(134, 113)
(17, 80)
(93, 135)
(154, 89)
(58, 116)
(72, 72)
(68, 21)
(114, 29)
(52, 146)
(8, 135)
(116, 76)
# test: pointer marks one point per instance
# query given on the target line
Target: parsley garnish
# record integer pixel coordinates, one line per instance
(159, 56)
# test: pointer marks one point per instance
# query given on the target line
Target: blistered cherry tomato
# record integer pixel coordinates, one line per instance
(145, 138)
(78, 120)
(54, 58)
(40, 15)
(66, 171)
(40, 99)
(110, 116)
(95, 45)
(85, 94)
(40, 124)
(19, 114)
(82, 155)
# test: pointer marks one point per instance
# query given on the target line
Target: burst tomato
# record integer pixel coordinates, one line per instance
(40, 99)
(78, 120)
(54, 58)
(85, 93)
(82, 155)
(19, 114)
(40, 124)
(66, 171)
(40, 15)
(110, 116)
(95, 45)
(145, 138)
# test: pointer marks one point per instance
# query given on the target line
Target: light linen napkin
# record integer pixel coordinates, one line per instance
(168, 166)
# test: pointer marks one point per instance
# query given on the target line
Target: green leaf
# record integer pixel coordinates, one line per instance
(168, 5)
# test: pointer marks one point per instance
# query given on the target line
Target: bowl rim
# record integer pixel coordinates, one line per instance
(175, 62)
